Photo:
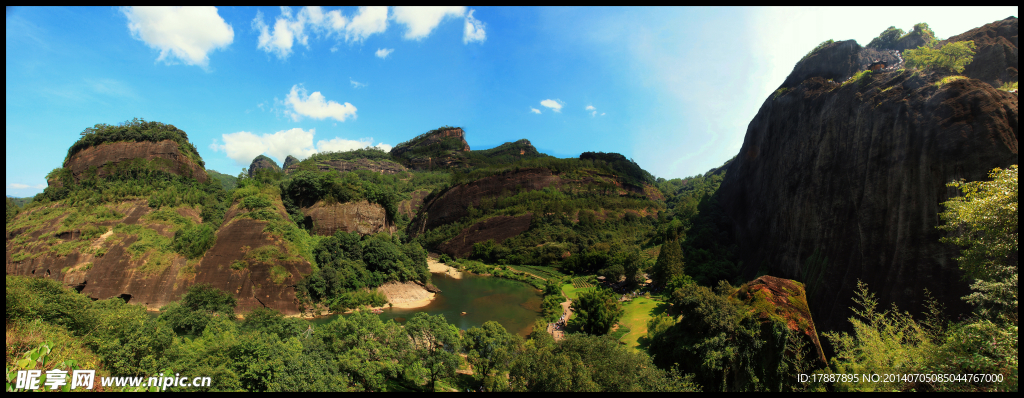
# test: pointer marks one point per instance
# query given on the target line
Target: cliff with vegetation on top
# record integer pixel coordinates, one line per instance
(840, 182)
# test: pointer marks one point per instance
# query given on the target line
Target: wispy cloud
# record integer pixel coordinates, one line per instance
(188, 34)
(24, 186)
(593, 110)
(473, 30)
(316, 106)
(534, 110)
(243, 146)
(356, 84)
(383, 53)
(555, 105)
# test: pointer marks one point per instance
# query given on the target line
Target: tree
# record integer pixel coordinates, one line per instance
(952, 56)
(984, 223)
(597, 310)
(436, 343)
(669, 264)
(490, 348)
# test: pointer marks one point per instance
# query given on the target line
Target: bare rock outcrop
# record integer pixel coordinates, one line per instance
(362, 217)
(840, 183)
(166, 154)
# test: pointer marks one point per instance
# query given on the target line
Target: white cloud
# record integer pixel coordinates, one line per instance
(590, 107)
(473, 30)
(602, 113)
(593, 111)
(290, 29)
(383, 53)
(316, 106)
(186, 33)
(368, 21)
(243, 146)
(535, 110)
(356, 84)
(420, 21)
(24, 186)
(555, 105)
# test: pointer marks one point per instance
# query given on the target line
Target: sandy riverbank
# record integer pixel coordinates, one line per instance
(406, 295)
(437, 267)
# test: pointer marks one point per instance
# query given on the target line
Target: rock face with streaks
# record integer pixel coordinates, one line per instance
(837, 183)
(362, 217)
(166, 154)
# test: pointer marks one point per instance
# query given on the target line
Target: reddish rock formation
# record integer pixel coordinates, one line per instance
(856, 173)
(496, 228)
(433, 142)
(376, 166)
(363, 217)
(167, 151)
(772, 298)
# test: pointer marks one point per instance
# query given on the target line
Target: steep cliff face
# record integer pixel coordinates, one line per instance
(377, 166)
(262, 162)
(166, 153)
(103, 266)
(838, 183)
(996, 59)
(362, 217)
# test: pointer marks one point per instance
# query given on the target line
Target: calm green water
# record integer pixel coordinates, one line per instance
(515, 305)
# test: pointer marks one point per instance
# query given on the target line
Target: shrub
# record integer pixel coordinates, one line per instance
(951, 57)
(255, 202)
(193, 241)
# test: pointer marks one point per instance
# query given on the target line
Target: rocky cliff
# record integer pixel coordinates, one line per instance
(837, 183)
(363, 217)
(996, 59)
(166, 154)
(441, 148)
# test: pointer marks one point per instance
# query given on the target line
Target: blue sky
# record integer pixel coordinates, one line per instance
(671, 88)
